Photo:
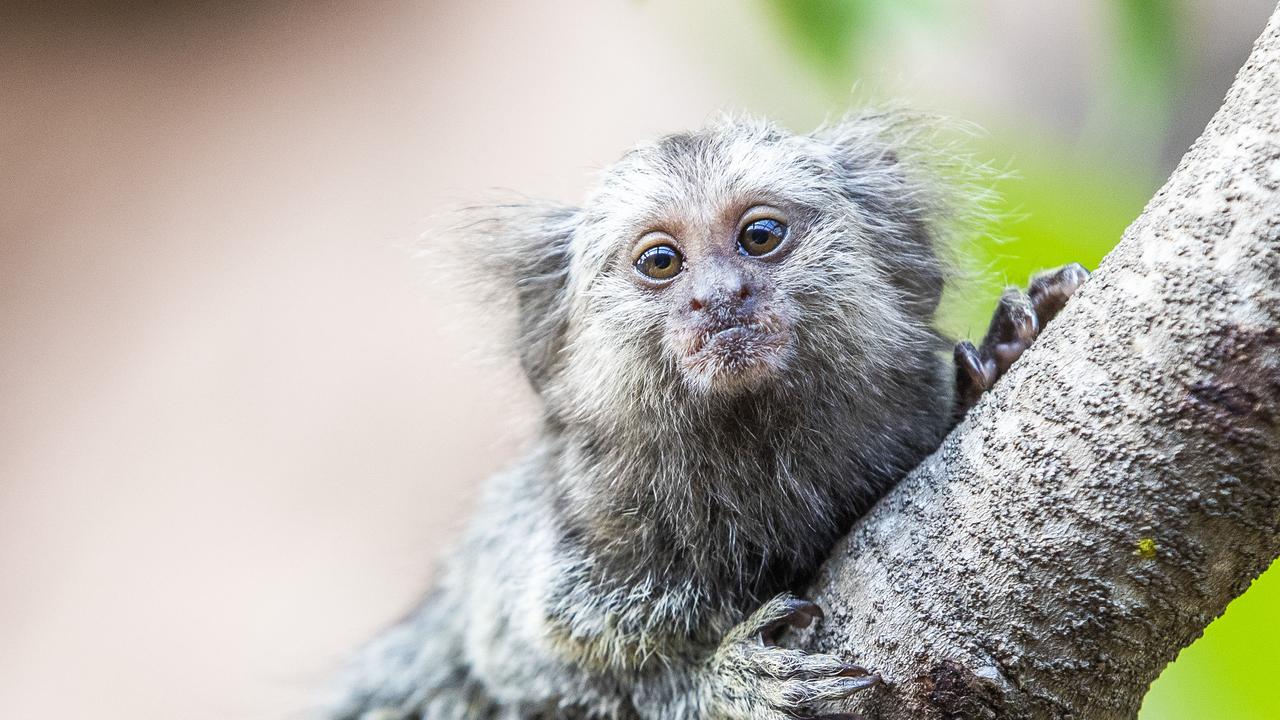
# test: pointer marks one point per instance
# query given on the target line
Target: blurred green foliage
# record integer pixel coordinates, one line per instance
(1054, 208)
(1231, 671)
(1069, 202)
(1148, 44)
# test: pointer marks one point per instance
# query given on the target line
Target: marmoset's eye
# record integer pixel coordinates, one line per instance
(761, 237)
(660, 262)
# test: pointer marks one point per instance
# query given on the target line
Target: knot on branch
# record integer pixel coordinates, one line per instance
(957, 693)
(1240, 401)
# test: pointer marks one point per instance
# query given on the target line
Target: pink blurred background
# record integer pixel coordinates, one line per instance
(237, 423)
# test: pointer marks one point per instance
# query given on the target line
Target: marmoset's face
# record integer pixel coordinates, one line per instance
(713, 275)
(709, 252)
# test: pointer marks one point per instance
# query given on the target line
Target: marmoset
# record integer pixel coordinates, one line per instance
(734, 347)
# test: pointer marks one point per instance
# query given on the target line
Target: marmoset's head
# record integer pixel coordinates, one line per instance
(732, 260)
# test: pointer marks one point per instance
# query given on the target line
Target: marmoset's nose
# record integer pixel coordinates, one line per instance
(722, 289)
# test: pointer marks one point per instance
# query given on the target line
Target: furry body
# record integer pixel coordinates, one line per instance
(703, 443)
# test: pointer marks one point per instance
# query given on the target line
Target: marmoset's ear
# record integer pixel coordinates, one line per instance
(879, 171)
(518, 255)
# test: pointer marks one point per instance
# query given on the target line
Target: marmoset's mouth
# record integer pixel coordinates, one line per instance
(734, 339)
(737, 357)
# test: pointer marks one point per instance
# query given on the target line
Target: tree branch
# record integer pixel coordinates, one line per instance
(1118, 488)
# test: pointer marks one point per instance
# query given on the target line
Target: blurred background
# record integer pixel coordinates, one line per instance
(238, 422)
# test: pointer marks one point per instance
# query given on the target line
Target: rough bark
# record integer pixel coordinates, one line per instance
(1117, 489)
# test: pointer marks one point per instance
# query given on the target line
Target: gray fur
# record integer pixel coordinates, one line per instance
(614, 572)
